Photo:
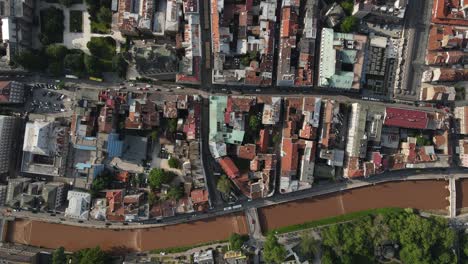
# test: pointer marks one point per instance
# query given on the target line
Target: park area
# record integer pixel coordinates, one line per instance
(76, 21)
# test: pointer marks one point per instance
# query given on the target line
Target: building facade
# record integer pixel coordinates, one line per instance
(8, 127)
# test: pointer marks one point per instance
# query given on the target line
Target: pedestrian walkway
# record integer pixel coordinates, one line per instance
(453, 197)
(192, 251)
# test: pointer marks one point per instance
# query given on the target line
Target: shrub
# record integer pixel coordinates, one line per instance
(52, 26)
(76, 21)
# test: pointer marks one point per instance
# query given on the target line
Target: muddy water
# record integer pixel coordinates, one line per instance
(50, 235)
(425, 195)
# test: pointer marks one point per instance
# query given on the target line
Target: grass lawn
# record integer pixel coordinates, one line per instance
(336, 219)
(76, 21)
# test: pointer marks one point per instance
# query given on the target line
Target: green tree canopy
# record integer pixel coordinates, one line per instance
(91, 256)
(102, 47)
(254, 122)
(349, 24)
(66, 3)
(55, 68)
(172, 124)
(421, 240)
(104, 15)
(31, 60)
(347, 6)
(276, 139)
(309, 247)
(119, 65)
(74, 62)
(93, 66)
(152, 198)
(154, 135)
(59, 256)
(224, 184)
(236, 241)
(173, 163)
(273, 251)
(157, 177)
(175, 192)
(101, 182)
(56, 52)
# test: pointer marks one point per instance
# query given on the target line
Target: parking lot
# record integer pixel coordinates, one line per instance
(47, 98)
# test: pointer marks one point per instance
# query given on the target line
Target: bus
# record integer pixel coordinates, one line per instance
(95, 79)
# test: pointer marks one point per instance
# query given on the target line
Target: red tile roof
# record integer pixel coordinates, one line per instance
(353, 168)
(4, 91)
(405, 118)
(247, 151)
(123, 176)
(229, 167)
(115, 210)
(215, 26)
(263, 140)
(199, 196)
(448, 12)
(289, 160)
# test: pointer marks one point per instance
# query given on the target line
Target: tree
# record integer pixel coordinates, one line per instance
(119, 65)
(56, 52)
(348, 6)
(59, 256)
(175, 192)
(327, 256)
(31, 60)
(154, 135)
(92, 66)
(421, 240)
(172, 124)
(224, 184)
(102, 47)
(55, 68)
(157, 177)
(152, 198)
(173, 163)
(101, 182)
(309, 247)
(104, 15)
(91, 256)
(254, 122)
(273, 251)
(66, 3)
(247, 58)
(349, 24)
(74, 62)
(276, 139)
(236, 241)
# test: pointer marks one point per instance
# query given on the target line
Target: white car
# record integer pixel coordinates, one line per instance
(148, 86)
(132, 84)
